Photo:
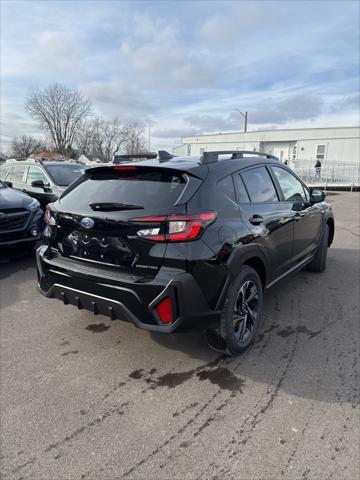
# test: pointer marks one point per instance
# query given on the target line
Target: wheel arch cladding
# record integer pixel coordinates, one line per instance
(330, 223)
(257, 264)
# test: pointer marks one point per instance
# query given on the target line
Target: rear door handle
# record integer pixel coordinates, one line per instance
(256, 219)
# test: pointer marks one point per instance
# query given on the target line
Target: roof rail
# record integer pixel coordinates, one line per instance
(125, 157)
(212, 157)
(30, 160)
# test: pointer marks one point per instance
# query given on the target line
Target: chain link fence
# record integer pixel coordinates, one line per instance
(335, 173)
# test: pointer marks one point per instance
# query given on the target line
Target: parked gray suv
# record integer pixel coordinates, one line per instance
(41, 179)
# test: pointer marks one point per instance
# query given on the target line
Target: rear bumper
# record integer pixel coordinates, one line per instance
(126, 299)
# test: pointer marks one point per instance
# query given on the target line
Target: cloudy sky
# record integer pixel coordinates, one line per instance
(185, 67)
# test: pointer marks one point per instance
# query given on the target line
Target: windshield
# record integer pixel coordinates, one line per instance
(112, 190)
(64, 175)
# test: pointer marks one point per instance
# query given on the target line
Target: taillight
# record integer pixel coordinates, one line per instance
(49, 216)
(174, 228)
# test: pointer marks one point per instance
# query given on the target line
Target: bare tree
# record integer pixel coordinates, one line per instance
(101, 138)
(84, 139)
(59, 111)
(135, 141)
(24, 146)
(109, 138)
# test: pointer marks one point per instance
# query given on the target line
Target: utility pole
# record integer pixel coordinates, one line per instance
(149, 138)
(245, 115)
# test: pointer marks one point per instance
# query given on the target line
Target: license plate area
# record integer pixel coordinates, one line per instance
(99, 248)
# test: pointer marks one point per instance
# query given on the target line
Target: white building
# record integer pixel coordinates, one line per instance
(300, 147)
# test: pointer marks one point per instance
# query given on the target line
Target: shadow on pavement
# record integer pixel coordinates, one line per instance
(308, 342)
(14, 262)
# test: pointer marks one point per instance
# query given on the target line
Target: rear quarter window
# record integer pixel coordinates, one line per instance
(226, 187)
(241, 193)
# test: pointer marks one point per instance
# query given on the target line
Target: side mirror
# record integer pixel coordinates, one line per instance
(298, 206)
(8, 183)
(38, 184)
(317, 196)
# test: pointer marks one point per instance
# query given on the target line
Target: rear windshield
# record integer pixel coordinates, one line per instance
(150, 189)
(64, 175)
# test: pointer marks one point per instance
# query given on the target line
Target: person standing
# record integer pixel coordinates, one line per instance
(317, 170)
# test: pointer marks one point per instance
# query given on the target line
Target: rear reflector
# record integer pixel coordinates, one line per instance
(164, 310)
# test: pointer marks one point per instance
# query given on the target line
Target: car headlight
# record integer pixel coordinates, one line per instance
(34, 204)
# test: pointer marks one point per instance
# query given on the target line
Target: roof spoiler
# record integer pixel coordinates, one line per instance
(212, 157)
(162, 156)
(125, 157)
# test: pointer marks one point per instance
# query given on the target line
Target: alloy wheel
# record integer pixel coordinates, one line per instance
(246, 311)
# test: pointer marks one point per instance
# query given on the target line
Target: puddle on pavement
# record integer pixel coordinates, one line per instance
(222, 377)
(286, 332)
(97, 327)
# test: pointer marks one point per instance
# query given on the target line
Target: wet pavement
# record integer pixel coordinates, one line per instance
(86, 398)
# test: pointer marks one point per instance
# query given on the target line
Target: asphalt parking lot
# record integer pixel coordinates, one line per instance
(86, 398)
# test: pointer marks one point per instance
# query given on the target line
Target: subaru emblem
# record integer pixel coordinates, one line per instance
(87, 222)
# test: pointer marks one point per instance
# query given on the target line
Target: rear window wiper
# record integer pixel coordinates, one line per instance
(113, 206)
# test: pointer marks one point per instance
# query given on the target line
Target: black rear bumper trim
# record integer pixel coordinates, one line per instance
(101, 305)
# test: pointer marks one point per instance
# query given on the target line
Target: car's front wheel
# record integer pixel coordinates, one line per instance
(241, 315)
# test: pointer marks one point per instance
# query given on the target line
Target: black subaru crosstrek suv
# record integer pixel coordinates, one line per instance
(177, 243)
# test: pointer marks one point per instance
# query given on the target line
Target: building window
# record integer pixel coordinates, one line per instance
(202, 150)
(320, 152)
(294, 153)
(188, 150)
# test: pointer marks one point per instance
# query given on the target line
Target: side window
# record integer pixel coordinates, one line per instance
(259, 185)
(241, 193)
(226, 186)
(3, 172)
(291, 187)
(17, 173)
(35, 173)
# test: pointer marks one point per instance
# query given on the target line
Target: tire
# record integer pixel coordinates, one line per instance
(243, 303)
(318, 263)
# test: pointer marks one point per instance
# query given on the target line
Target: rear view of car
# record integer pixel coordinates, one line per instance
(123, 233)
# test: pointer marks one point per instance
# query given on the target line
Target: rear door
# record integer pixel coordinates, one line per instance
(268, 218)
(308, 218)
(96, 217)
